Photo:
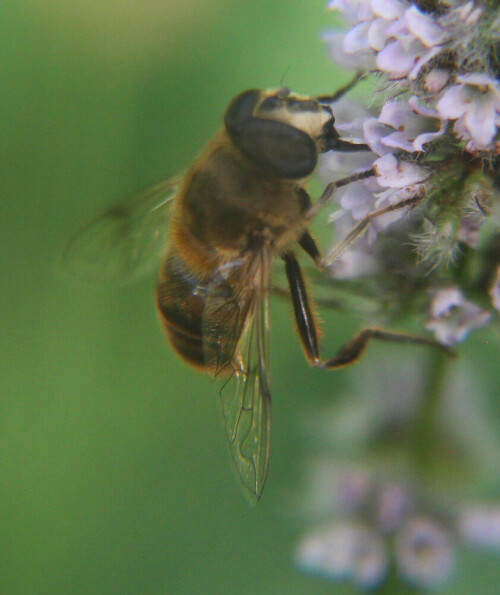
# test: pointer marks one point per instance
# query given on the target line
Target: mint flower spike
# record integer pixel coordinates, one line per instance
(438, 73)
(431, 123)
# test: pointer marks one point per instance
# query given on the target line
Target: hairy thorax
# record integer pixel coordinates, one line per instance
(228, 206)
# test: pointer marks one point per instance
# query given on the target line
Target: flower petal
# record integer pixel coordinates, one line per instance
(396, 59)
(358, 200)
(378, 33)
(453, 103)
(373, 132)
(356, 39)
(480, 122)
(360, 61)
(425, 553)
(478, 79)
(393, 174)
(424, 27)
(436, 80)
(396, 114)
(398, 140)
(480, 526)
(423, 110)
(388, 9)
(444, 300)
(424, 58)
(428, 137)
(453, 317)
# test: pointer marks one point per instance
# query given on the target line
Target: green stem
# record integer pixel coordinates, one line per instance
(393, 585)
(425, 433)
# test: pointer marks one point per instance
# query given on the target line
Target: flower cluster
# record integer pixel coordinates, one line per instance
(377, 523)
(433, 134)
(443, 59)
(429, 202)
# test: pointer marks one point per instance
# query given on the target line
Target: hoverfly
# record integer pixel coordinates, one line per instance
(238, 207)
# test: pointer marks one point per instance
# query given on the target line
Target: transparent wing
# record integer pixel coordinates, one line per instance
(227, 307)
(238, 335)
(123, 242)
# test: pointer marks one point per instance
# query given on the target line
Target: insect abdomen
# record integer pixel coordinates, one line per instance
(180, 304)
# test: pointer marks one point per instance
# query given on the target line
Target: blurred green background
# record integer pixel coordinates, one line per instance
(114, 472)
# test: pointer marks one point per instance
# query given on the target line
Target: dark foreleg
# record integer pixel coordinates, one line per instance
(350, 352)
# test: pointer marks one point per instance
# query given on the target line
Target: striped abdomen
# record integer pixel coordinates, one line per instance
(180, 304)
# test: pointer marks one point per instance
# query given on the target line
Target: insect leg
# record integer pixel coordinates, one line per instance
(307, 243)
(359, 229)
(352, 351)
(303, 314)
(346, 147)
(332, 186)
(339, 93)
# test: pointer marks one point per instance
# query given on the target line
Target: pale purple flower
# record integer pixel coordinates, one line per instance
(392, 173)
(452, 317)
(433, 100)
(480, 526)
(431, 91)
(353, 10)
(388, 9)
(375, 523)
(356, 39)
(353, 488)
(358, 199)
(328, 552)
(404, 58)
(403, 125)
(404, 38)
(395, 502)
(394, 182)
(379, 523)
(374, 131)
(414, 125)
(424, 27)
(347, 551)
(362, 61)
(425, 553)
(475, 105)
